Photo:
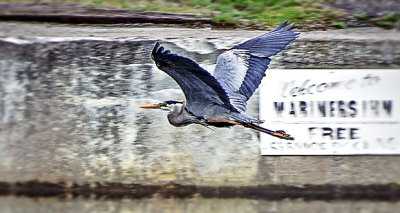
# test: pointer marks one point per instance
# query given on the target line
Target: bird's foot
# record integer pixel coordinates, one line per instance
(282, 134)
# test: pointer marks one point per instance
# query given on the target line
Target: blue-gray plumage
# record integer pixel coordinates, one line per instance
(220, 99)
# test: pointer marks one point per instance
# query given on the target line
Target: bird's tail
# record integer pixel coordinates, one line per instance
(279, 133)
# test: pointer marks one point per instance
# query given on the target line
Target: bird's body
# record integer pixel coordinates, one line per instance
(220, 99)
(179, 116)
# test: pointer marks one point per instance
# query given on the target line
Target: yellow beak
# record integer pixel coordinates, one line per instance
(153, 106)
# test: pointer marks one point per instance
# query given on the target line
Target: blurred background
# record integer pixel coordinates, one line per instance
(72, 138)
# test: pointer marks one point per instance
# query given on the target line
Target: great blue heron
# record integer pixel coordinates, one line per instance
(220, 99)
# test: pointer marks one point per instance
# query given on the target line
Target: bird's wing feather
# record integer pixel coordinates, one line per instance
(241, 68)
(201, 89)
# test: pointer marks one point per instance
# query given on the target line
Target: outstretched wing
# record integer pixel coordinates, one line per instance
(201, 89)
(241, 68)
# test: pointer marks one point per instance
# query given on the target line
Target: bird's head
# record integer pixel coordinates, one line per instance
(166, 105)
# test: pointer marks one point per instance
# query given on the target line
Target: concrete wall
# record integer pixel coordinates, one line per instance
(69, 98)
(195, 205)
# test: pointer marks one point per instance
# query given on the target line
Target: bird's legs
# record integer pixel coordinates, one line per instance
(278, 133)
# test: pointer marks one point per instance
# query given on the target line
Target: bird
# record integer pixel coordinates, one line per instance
(220, 99)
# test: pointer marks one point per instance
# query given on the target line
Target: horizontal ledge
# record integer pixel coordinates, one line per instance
(389, 192)
(71, 13)
(101, 19)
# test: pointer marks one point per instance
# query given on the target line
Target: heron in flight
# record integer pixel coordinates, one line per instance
(220, 99)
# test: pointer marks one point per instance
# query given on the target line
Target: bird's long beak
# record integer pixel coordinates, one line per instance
(153, 106)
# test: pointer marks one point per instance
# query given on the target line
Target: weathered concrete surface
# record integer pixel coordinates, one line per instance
(69, 98)
(50, 205)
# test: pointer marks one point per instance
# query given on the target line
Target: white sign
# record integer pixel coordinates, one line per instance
(331, 112)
